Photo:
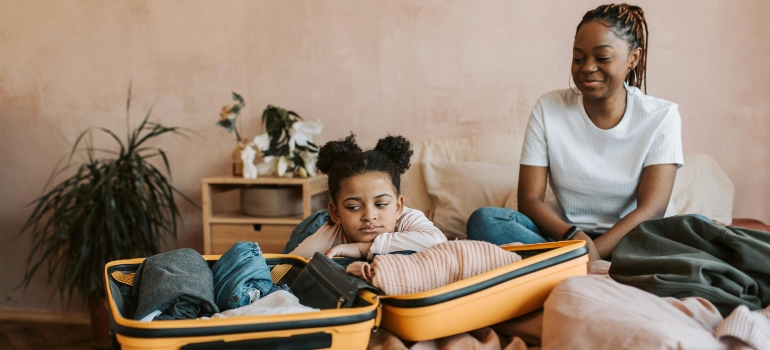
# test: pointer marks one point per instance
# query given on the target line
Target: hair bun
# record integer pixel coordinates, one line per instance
(398, 149)
(329, 153)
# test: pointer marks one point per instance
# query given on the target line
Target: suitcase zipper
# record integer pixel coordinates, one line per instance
(329, 286)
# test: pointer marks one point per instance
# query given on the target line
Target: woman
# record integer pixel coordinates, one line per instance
(610, 151)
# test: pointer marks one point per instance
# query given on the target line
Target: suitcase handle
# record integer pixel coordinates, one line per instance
(301, 341)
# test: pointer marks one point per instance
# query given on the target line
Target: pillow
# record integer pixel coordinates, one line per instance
(702, 187)
(459, 188)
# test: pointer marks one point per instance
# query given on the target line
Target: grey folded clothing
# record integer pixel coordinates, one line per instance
(685, 256)
(179, 283)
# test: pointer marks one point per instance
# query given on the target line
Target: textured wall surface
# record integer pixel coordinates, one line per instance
(424, 69)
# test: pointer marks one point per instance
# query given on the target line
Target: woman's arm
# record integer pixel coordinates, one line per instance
(655, 189)
(531, 196)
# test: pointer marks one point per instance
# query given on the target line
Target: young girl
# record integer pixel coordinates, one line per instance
(609, 151)
(366, 212)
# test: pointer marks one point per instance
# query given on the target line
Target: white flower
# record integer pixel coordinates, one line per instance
(283, 163)
(274, 165)
(262, 142)
(308, 128)
(309, 159)
(302, 133)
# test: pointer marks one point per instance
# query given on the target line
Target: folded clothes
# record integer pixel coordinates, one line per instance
(432, 268)
(277, 303)
(178, 283)
(241, 276)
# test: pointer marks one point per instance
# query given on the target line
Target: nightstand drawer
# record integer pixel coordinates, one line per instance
(271, 238)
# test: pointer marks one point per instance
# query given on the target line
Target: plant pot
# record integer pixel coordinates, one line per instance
(100, 323)
(271, 201)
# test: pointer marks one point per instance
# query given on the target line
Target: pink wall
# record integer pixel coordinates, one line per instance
(424, 69)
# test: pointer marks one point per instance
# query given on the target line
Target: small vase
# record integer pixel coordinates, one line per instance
(237, 162)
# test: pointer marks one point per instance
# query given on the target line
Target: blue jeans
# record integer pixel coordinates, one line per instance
(503, 225)
(307, 227)
(239, 271)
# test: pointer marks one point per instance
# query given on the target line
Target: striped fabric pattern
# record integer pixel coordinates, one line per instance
(432, 268)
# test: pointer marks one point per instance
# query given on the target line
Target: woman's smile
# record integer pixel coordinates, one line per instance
(591, 84)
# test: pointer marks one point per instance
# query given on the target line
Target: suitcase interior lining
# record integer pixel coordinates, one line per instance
(297, 266)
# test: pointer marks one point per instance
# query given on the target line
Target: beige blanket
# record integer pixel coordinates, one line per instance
(595, 312)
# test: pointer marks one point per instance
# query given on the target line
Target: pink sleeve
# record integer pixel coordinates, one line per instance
(413, 232)
(322, 240)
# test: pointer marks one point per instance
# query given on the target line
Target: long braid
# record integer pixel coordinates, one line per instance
(628, 23)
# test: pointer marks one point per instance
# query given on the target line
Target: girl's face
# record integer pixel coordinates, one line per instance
(366, 206)
(601, 61)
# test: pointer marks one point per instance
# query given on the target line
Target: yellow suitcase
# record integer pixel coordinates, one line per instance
(347, 328)
(485, 299)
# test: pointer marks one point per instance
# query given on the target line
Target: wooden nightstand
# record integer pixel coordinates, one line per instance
(225, 225)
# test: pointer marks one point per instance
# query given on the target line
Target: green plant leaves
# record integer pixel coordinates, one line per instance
(110, 208)
(278, 122)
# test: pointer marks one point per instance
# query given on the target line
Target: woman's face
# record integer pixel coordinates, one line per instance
(601, 61)
(366, 206)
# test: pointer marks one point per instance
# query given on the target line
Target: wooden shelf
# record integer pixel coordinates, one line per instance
(265, 180)
(241, 218)
(222, 227)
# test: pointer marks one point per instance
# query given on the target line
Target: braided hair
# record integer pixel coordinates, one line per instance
(343, 158)
(628, 23)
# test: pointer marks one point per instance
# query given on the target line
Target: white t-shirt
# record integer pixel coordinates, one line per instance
(595, 173)
(413, 232)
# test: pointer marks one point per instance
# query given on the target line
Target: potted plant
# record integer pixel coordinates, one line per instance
(287, 144)
(115, 204)
(286, 148)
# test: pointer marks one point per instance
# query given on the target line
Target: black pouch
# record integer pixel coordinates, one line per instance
(324, 284)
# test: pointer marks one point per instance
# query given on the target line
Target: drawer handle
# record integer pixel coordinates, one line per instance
(257, 227)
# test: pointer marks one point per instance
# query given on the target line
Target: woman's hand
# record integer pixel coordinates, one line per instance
(593, 253)
(350, 250)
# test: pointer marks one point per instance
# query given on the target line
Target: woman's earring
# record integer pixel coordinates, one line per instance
(569, 83)
(633, 82)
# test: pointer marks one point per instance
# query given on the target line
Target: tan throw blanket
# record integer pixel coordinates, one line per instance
(434, 267)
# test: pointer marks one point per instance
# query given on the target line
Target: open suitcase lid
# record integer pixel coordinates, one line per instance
(535, 257)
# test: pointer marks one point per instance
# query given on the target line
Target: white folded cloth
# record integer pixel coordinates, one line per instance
(276, 303)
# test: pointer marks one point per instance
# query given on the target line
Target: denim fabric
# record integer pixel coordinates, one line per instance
(699, 216)
(239, 271)
(501, 226)
(307, 227)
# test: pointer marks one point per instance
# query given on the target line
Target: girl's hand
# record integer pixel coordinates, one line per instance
(350, 250)
(593, 253)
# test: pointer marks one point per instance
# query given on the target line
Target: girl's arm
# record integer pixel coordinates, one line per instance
(655, 189)
(325, 238)
(413, 232)
(531, 197)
